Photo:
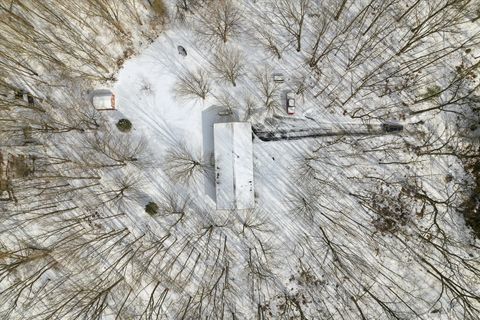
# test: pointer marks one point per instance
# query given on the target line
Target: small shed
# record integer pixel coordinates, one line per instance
(233, 165)
(103, 99)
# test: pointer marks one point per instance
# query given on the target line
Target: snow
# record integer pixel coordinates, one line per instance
(234, 165)
(314, 200)
(282, 180)
(145, 93)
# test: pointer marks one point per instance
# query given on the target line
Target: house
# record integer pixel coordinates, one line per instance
(233, 152)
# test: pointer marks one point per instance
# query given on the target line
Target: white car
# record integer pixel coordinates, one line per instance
(290, 103)
(278, 77)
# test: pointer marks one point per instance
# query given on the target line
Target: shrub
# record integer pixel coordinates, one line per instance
(193, 85)
(392, 208)
(151, 208)
(124, 125)
(432, 92)
(470, 208)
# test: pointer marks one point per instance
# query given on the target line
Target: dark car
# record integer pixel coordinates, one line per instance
(392, 127)
(182, 51)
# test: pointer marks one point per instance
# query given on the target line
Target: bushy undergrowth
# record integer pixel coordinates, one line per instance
(471, 207)
(124, 125)
(151, 208)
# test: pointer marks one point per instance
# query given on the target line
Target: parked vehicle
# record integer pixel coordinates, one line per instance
(182, 51)
(278, 77)
(392, 127)
(290, 103)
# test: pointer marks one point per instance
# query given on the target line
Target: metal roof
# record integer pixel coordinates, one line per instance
(233, 165)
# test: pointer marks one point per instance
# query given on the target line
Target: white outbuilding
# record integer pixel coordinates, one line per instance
(103, 99)
(233, 165)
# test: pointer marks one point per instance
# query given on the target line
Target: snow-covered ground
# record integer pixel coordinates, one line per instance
(356, 223)
(307, 191)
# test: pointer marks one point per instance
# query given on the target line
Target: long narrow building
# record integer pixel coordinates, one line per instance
(234, 165)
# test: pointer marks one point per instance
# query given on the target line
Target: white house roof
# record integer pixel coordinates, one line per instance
(233, 165)
(103, 99)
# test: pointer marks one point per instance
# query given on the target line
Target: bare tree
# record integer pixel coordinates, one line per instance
(22, 271)
(360, 211)
(227, 101)
(268, 89)
(219, 21)
(341, 7)
(183, 7)
(155, 308)
(446, 16)
(457, 96)
(183, 164)
(193, 85)
(321, 45)
(267, 38)
(291, 16)
(249, 105)
(108, 149)
(301, 84)
(173, 204)
(124, 187)
(229, 64)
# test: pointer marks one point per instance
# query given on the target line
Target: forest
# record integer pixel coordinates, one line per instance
(107, 214)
